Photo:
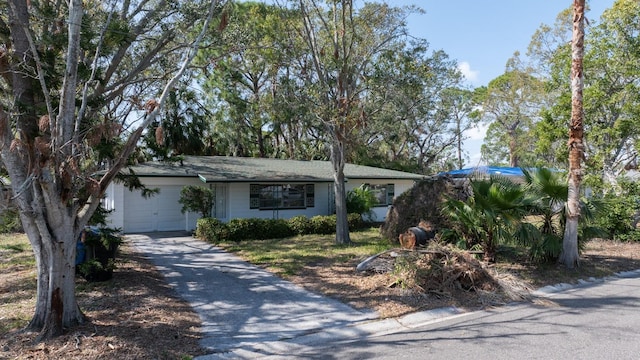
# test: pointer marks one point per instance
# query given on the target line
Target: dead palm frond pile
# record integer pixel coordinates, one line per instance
(444, 271)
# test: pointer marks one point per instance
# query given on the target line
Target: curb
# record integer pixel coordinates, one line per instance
(379, 327)
(553, 289)
(364, 329)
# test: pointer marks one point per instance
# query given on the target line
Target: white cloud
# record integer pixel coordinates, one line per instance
(473, 142)
(478, 132)
(465, 69)
(475, 160)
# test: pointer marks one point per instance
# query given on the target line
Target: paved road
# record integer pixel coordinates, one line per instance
(241, 306)
(596, 321)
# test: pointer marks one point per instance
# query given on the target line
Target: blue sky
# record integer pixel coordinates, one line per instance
(481, 35)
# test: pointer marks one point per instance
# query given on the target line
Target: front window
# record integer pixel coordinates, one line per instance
(281, 196)
(383, 192)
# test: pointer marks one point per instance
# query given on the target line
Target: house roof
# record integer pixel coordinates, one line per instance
(242, 169)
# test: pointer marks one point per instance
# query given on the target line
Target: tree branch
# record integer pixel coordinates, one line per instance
(131, 142)
(67, 114)
(94, 67)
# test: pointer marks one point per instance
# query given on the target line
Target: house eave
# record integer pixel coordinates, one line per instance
(216, 179)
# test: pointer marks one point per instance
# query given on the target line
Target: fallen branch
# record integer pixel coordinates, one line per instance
(365, 264)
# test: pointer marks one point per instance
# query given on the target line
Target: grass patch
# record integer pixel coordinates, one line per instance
(17, 291)
(288, 256)
(15, 251)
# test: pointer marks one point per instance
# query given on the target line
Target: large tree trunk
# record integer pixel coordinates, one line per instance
(513, 148)
(337, 160)
(46, 219)
(49, 225)
(59, 308)
(569, 255)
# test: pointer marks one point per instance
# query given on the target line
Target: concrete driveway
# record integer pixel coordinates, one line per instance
(242, 307)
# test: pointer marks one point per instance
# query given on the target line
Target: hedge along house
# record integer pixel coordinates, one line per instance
(244, 188)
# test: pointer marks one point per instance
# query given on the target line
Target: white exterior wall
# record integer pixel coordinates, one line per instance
(239, 200)
(114, 201)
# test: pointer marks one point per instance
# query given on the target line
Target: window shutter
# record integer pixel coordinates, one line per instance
(254, 196)
(390, 193)
(310, 194)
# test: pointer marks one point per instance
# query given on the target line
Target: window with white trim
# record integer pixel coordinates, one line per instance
(384, 193)
(281, 196)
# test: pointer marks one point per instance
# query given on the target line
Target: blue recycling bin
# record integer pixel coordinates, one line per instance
(81, 251)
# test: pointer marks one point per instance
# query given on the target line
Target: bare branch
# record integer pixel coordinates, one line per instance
(94, 67)
(66, 117)
(34, 51)
(138, 30)
(129, 146)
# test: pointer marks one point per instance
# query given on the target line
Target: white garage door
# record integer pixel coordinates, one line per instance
(160, 212)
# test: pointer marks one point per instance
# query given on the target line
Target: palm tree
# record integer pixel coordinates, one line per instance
(569, 254)
(491, 216)
(548, 197)
(548, 193)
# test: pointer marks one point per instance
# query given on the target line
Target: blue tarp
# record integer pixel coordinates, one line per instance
(485, 170)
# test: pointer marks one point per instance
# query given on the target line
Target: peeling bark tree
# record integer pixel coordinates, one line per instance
(569, 255)
(49, 112)
(337, 90)
(341, 43)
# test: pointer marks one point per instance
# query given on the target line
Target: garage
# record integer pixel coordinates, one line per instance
(160, 212)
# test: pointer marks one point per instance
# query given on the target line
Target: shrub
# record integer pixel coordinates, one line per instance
(197, 199)
(276, 229)
(240, 229)
(99, 249)
(211, 230)
(360, 201)
(490, 216)
(105, 237)
(355, 221)
(95, 271)
(300, 225)
(618, 219)
(323, 224)
(10, 221)
(258, 229)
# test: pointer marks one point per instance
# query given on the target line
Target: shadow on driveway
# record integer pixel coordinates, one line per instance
(239, 304)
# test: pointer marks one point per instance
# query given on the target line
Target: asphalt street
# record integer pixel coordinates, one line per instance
(597, 320)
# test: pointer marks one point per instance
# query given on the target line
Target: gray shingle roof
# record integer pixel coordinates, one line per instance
(241, 169)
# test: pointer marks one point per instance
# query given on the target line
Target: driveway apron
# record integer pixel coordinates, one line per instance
(239, 304)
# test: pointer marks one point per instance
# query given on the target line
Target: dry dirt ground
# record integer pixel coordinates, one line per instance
(459, 282)
(137, 316)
